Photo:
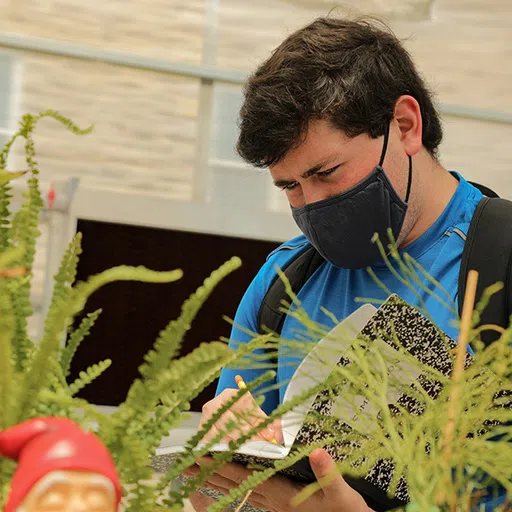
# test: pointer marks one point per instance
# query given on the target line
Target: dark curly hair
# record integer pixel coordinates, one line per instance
(349, 72)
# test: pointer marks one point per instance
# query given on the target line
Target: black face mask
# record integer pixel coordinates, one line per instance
(341, 227)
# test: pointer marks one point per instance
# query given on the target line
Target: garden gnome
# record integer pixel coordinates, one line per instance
(61, 468)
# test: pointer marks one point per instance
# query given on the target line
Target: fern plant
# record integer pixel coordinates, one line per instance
(33, 376)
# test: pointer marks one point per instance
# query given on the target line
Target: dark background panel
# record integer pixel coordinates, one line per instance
(134, 313)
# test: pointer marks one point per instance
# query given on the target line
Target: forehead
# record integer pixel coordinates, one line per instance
(322, 144)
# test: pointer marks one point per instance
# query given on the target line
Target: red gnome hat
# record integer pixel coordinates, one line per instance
(43, 445)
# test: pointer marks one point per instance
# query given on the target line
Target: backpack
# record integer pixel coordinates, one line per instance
(488, 249)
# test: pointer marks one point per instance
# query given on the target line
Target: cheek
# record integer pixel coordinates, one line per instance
(97, 500)
(348, 178)
(355, 174)
(295, 197)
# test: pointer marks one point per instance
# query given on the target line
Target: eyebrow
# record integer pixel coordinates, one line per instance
(305, 175)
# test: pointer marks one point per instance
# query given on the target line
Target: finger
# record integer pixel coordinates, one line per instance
(211, 434)
(251, 419)
(260, 502)
(231, 425)
(325, 469)
(212, 406)
(236, 473)
(278, 431)
(221, 483)
(245, 413)
(333, 485)
(200, 502)
(226, 423)
(245, 422)
(252, 414)
(213, 487)
(191, 471)
(215, 478)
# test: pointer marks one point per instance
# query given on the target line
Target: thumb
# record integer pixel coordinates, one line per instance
(333, 485)
(326, 472)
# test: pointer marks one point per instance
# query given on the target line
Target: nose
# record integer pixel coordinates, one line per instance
(312, 193)
(76, 503)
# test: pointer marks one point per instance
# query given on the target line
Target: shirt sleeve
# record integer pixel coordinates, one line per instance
(246, 318)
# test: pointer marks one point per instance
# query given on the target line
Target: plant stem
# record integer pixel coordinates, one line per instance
(460, 357)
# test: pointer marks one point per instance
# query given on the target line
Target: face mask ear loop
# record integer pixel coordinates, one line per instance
(385, 147)
(409, 182)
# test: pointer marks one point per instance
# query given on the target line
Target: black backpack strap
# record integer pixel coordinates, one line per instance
(488, 249)
(270, 316)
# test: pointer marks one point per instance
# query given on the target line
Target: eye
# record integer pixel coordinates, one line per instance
(327, 172)
(98, 499)
(53, 500)
(290, 186)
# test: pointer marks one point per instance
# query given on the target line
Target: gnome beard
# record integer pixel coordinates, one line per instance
(71, 491)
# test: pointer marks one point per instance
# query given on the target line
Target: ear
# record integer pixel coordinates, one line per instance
(408, 118)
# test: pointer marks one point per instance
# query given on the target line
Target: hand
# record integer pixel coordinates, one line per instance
(201, 502)
(277, 493)
(245, 413)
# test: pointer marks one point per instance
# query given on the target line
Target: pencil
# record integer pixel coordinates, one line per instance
(241, 385)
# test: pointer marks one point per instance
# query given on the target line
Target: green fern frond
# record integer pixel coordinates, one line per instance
(75, 338)
(24, 233)
(84, 290)
(134, 413)
(85, 413)
(57, 379)
(132, 461)
(24, 230)
(181, 370)
(160, 371)
(7, 390)
(142, 498)
(178, 399)
(65, 121)
(11, 256)
(169, 340)
(5, 213)
(87, 376)
(65, 278)
(59, 320)
(19, 291)
(7, 468)
(164, 420)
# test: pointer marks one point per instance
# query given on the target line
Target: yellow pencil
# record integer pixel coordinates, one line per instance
(241, 385)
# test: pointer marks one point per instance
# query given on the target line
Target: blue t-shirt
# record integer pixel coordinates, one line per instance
(438, 251)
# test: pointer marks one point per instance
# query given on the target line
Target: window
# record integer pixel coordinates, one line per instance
(227, 100)
(10, 96)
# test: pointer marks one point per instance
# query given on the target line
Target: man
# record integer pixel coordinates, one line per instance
(348, 129)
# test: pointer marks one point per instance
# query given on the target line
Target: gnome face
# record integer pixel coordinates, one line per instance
(71, 491)
(60, 468)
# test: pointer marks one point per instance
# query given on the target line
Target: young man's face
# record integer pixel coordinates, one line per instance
(71, 491)
(328, 163)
